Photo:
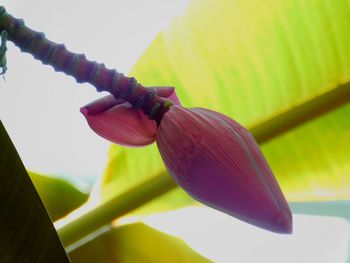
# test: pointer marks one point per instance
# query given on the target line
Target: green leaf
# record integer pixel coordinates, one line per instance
(58, 195)
(135, 243)
(252, 60)
(26, 231)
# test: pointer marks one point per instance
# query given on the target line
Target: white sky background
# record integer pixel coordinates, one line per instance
(40, 109)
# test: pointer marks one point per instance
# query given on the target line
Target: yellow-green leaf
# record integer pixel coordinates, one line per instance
(58, 195)
(252, 60)
(135, 243)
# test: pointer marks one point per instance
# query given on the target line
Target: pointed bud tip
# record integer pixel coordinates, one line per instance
(284, 223)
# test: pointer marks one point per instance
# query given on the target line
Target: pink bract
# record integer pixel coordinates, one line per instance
(116, 121)
(218, 162)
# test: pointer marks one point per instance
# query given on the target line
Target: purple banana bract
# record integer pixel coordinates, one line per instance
(116, 120)
(218, 163)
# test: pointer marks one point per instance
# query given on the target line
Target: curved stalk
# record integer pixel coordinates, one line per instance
(83, 70)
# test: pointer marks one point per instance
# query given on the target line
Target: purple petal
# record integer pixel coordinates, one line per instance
(100, 105)
(122, 125)
(218, 163)
(116, 121)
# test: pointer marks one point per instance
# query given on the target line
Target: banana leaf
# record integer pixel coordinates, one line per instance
(58, 195)
(258, 62)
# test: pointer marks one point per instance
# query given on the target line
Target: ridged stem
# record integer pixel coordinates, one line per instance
(83, 70)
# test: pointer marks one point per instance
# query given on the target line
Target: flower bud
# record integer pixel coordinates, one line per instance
(212, 157)
(218, 162)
